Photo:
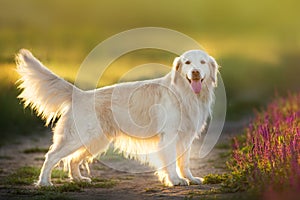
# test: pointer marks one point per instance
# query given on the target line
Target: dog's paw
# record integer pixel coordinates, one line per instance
(179, 181)
(196, 181)
(42, 184)
(81, 179)
(86, 179)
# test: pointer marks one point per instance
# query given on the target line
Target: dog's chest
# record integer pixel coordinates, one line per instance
(192, 116)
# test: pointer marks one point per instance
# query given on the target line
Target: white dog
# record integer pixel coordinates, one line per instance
(154, 121)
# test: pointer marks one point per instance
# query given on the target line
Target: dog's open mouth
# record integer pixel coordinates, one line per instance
(196, 84)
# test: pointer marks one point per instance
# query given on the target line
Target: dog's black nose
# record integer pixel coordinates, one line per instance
(195, 73)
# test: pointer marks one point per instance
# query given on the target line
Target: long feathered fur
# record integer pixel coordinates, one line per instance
(51, 97)
(47, 94)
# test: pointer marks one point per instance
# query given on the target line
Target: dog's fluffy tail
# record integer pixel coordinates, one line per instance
(42, 90)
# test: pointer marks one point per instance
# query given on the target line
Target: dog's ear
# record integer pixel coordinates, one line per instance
(176, 70)
(213, 70)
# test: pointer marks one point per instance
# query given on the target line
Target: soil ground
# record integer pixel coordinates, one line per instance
(128, 185)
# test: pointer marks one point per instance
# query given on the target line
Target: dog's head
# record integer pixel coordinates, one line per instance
(197, 68)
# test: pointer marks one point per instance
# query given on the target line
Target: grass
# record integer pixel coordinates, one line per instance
(28, 175)
(103, 183)
(61, 191)
(215, 178)
(111, 154)
(14, 120)
(225, 186)
(23, 177)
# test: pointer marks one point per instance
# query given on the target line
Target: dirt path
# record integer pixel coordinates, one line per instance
(128, 185)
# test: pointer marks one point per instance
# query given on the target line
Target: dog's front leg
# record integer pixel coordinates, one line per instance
(167, 152)
(183, 163)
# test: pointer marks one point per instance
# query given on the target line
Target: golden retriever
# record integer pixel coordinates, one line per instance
(154, 121)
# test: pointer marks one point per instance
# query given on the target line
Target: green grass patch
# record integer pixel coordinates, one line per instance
(14, 119)
(79, 186)
(111, 154)
(215, 178)
(28, 175)
(23, 176)
(58, 191)
(103, 183)
(229, 182)
(57, 173)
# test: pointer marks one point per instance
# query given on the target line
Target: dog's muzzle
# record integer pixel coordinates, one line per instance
(195, 81)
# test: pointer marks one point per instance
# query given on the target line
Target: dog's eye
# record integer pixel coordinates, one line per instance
(187, 62)
(202, 62)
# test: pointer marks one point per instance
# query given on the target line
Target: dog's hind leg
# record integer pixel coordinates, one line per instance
(96, 146)
(74, 163)
(64, 144)
(54, 155)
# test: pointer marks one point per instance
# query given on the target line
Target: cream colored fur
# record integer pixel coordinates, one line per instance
(154, 121)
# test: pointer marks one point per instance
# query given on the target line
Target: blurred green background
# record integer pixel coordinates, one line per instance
(256, 42)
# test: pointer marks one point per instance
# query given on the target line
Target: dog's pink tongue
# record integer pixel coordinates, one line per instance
(196, 86)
